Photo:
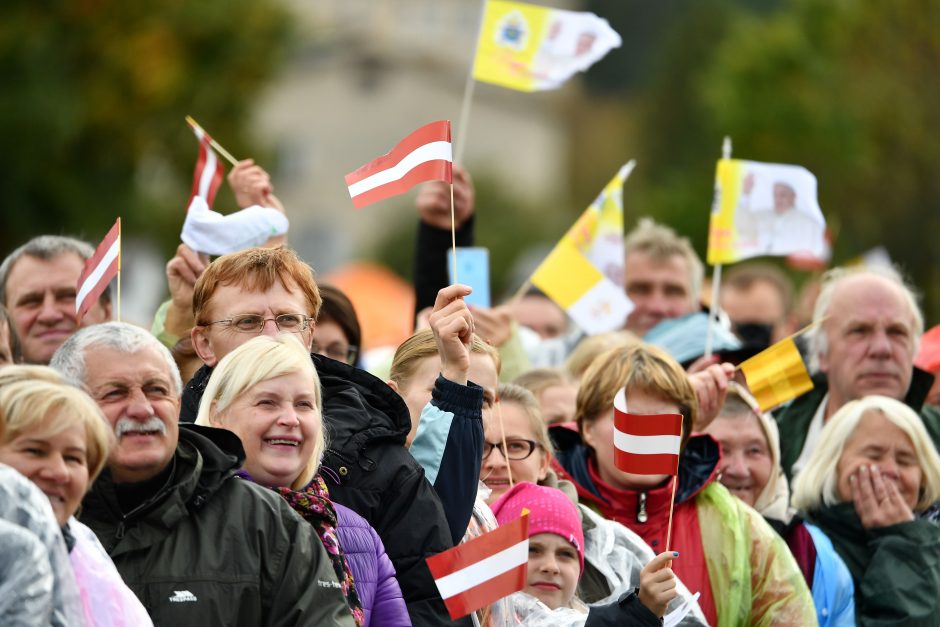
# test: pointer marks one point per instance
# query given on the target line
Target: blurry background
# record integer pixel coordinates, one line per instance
(95, 92)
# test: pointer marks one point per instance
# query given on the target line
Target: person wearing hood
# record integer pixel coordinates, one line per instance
(750, 469)
(865, 485)
(742, 568)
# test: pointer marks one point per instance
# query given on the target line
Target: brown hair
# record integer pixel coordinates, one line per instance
(590, 348)
(640, 366)
(512, 393)
(420, 345)
(255, 270)
(538, 380)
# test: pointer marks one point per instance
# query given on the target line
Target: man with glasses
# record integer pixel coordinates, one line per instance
(366, 467)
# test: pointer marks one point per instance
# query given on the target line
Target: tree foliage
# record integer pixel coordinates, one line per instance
(96, 91)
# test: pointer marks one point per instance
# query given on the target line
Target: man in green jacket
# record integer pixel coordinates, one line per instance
(196, 544)
(868, 326)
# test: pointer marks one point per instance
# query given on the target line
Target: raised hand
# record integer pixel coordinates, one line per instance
(452, 325)
(658, 583)
(433, 200)
(711, 388)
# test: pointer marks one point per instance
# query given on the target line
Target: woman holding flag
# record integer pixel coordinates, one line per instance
(743, 570)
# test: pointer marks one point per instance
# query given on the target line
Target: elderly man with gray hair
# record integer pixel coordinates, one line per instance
(197, 544)
(868, 327)
(38, 282)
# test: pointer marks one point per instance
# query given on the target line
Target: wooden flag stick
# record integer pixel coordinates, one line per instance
(672, 505)
(713, 306)
(222, 151)
(517, 296)
(453, 229)
(464, 119)
(502, 435)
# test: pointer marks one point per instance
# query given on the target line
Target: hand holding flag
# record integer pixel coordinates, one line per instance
(100, 268)
(425, 155)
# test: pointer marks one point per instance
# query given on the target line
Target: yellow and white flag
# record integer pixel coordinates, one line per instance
(584, 272)
(532, 48)
(777, 374)
(764, 209)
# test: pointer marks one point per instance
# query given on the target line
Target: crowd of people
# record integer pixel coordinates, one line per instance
(239, 463)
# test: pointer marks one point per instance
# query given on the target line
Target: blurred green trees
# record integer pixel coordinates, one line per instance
(95, 92)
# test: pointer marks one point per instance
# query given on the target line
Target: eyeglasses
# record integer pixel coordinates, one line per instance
(254, 323)
(337, 351)
(516, 450)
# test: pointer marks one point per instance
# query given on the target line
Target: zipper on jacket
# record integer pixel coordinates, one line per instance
(641, 516)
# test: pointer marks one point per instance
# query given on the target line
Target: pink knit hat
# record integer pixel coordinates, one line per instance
(550, 511)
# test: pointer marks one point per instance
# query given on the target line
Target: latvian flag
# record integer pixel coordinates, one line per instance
(209, 170)
(99, 270)
(425, 155)
(645, 444)
(482, 571)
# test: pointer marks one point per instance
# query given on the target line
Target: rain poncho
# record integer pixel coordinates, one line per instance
(25, 578)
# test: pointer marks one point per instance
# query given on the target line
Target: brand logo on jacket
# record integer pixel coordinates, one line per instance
(183, 596)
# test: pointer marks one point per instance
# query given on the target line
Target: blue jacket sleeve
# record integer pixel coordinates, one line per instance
(449, 445)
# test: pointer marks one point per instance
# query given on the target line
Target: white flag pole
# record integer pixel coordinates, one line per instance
(468, 92)
(713, 306)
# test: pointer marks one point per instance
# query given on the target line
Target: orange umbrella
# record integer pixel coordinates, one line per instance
(384, 302)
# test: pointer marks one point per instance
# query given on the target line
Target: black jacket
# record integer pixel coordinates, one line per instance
(209, 548)
(368, 469)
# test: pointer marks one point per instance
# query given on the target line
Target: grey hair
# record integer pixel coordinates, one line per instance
(661, 242)
(69, 359)
(819, 342)
(46, 247)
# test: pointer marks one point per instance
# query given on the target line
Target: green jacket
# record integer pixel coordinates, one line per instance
(896, 569)
(212, 549)
(794, 419)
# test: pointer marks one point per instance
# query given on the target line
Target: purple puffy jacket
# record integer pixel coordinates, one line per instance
(372, 570)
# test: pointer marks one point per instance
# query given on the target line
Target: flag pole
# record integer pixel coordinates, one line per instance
(464, 119)
(119, 271)
(502, 435)
(672, 501)
(453, 228)
(713, 307)
(225, 153)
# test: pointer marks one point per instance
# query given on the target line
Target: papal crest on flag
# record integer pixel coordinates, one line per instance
(99, 269)
(583, 274)
(532, 48)
(209, 171)
(425, 155)
(483, 570)
(645, 444)
(764, 209)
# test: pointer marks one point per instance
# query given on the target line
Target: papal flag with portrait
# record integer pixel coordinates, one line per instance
(764, 209)
(532, 48)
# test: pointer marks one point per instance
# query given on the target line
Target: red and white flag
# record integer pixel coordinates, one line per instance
(209, 170)
(425, 155)
(645, 444)
(482, 571)
(99, 270)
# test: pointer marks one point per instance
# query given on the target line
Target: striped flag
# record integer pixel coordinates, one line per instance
(478, 573)
(425, 155)
(645, 444)
(99, 270)
(209, 170)
(777, 374)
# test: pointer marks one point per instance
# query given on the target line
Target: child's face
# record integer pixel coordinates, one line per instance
(554, 569)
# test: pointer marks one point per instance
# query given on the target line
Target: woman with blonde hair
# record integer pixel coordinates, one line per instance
(268, 393)
(874, 471)
(55, 435)
(742, 568)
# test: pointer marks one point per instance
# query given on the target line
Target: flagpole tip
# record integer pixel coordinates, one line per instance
(726, 147)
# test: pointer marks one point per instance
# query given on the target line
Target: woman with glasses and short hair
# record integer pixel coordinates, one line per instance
(337, 334)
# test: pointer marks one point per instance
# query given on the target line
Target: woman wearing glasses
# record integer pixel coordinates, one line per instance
(337, 334)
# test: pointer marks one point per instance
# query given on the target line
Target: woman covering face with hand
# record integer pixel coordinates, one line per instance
(874, 471)
(56, 437)
(267, 392)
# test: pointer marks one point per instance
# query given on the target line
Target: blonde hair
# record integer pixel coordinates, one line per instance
(642, 367)
(51, 407)
(416, 348)
(510, 393)
(592, 347)
(661, 243)
(540, 379)
(817, 484)
(23, 372)
(261, 359)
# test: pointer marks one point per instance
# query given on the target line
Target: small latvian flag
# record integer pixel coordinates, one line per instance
(425, 155)
(645, 444)
(482, 571)
(100, 268)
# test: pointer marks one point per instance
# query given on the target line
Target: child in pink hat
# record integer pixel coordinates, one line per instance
(556, 556)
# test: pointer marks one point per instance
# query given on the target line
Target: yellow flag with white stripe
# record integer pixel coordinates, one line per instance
(777, 374)
(532, 48)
